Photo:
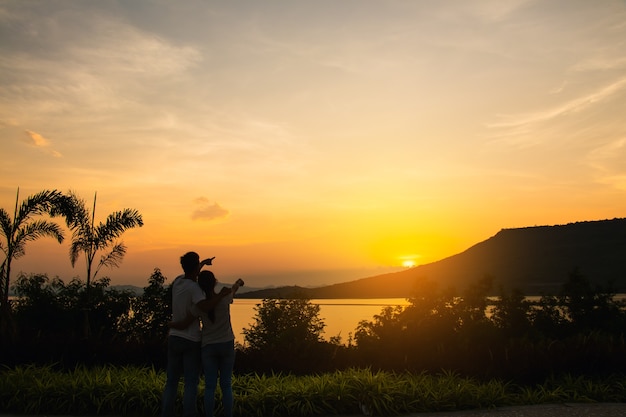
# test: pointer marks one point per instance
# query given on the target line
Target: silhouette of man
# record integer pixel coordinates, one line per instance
(183, 345)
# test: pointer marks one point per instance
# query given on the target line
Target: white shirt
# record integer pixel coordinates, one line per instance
(221, 330)
(185, 294)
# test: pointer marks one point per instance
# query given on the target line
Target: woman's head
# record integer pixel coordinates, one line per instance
(206, 281)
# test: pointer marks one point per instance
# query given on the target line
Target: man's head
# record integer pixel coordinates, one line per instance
(190, 263)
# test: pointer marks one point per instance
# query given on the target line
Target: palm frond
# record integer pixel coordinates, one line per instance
(76, 248)
(17, 249)
(37, 204)
(41, 228)
(113, 258)
(76, 213)
(117, 223)
(3, 279)
(6, 224)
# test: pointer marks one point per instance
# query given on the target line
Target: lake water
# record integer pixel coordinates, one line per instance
(341, 316)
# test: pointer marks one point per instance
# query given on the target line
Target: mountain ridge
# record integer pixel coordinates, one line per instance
(534, 259)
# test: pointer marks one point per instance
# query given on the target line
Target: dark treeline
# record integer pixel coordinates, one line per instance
(580, 330)
(49, 320)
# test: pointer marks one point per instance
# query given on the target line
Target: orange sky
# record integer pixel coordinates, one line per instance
(313, 142)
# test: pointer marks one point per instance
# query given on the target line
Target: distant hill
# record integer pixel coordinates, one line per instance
(138, 291)
(133, 289)
(536, 260)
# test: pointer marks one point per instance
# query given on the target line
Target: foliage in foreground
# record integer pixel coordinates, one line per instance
(111, 390)
(578, 332)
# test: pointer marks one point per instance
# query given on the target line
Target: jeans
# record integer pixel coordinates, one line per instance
(183, 359)
(218, 360)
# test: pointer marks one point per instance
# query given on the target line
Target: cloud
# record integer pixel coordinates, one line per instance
(36, 139)
(91, 68)
(499, 10)
(600, 64)
(206, 210)
(574, 105)
(607, 161)
(522, 128)
(39, 141)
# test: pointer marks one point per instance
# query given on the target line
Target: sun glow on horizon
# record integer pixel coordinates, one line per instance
(408, 263)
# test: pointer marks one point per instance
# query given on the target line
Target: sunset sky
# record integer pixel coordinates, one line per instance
(312, 142)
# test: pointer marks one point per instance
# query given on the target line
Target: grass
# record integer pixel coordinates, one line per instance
(137, 391)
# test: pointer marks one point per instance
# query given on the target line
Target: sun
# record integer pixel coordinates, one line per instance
(409, 263)
(408, 260)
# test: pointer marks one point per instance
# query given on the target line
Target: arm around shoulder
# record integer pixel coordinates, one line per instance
(182, 324)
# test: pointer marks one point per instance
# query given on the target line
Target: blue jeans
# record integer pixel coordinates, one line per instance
(218, 360)
(183, 359)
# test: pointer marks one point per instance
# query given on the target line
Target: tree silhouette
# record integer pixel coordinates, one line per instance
(90, 238)
(151, 311)
(19, 230)
(284, 324)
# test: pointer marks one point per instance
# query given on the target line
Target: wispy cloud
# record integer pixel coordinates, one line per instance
(207, 210)
(607, 160)
(39, 141)
(498, 10)
(111, 69)
(36, 139)
(117, 48)
(600, 63)
(517, 124)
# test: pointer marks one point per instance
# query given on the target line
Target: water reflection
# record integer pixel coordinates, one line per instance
(341, 316)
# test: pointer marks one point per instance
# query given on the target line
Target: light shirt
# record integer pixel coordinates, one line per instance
(186, 293)
(221, 330)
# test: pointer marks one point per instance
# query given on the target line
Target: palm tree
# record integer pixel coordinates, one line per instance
(89, 238)
(23, 228)
(19, 230)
